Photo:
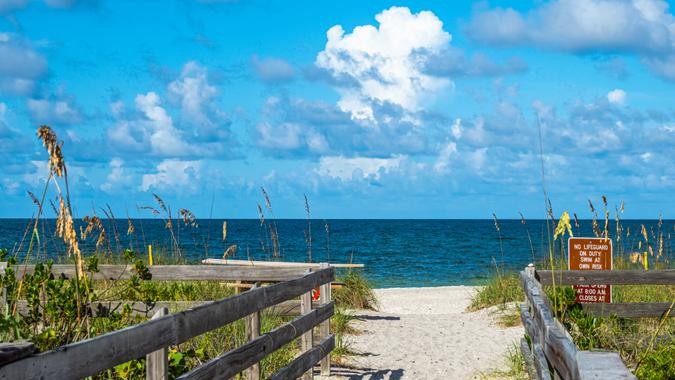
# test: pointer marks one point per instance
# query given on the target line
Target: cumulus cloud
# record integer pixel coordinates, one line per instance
(56, 111)
(617, 96)
(348, 168)
(201, 129)
(455, 64)
(21, 66)
(444, 157)
(118, 177)
(175, 175)
(197, 99)
(296, 127)
(385, 62)
(273, 70)
(643, 27)
(152, 129)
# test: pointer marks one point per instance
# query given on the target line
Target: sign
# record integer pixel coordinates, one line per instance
(591, 254)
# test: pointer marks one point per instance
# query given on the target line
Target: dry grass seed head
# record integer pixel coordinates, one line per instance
(261, 216)
(230, 251)
(188, 217)
(306, 205)
(94, 223)
(49, 140)
(522, 218)
(130, 226)
(268, 204)
(224, 230)
(33, 198)
(160, 202)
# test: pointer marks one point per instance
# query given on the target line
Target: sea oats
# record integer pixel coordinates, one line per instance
(49, 140)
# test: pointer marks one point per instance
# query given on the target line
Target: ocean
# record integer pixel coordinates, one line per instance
(396, 253)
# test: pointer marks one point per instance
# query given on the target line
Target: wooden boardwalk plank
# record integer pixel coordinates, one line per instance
(14, 351)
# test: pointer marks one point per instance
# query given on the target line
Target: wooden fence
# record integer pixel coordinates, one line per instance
(152, 338)
(551, 350)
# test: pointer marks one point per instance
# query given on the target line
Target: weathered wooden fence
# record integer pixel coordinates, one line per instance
(551, 350)
(152, 338)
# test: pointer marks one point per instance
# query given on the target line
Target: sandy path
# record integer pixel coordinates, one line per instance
(425, 333)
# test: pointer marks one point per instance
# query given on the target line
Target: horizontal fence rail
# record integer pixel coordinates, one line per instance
(91, 356)
(551, 350)
(178, 272)
(615, 277)
(603, 277)
(235, 361)
(105, 308)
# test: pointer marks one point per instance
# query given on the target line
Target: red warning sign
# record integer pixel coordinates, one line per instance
(591, 254)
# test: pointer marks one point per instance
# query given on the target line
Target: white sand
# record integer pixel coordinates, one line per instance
(426, 333)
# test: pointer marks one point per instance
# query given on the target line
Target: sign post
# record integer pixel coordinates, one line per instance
(591, 254)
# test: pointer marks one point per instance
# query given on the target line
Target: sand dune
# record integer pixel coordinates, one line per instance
(426, 333)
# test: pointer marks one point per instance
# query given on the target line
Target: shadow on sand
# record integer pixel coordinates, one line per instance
(377, 317)
(369, 373)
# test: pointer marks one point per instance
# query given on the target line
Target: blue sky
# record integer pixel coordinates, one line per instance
(373, 109)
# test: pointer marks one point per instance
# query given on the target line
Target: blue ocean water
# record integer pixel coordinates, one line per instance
(396, 253)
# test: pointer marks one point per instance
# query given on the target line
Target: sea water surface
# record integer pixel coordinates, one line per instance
(396, 253)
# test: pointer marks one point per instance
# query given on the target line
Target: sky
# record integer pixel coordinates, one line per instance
(431, 109)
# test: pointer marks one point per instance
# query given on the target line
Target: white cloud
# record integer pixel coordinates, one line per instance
(201, 128)
(198, 104)
(174, 175)
(273, 70)
(646, 157)
(643, 27)
(154, 130)
(617, 96)
(7, 6)
(385, 62)
(53, 111)
(284, 136)
(357, 167)
(457, 128)
(20, 67)
(164, 138)
(117, 177)
(443, 161)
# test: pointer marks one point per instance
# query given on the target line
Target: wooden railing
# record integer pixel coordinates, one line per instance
(551, 352)
(152, 338)
(615, 277)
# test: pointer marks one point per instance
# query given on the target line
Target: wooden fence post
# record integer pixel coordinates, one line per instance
(157, 362)
(306, 338)
(3, 293)
(252, 332)
(325, 298)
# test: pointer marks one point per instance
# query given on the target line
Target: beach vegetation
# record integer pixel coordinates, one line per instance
(357, 292)
(646, 345)
(51, 311)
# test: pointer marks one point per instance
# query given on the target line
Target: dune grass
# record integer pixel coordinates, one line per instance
(357, 293)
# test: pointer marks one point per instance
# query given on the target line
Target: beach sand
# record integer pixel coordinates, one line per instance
(426, 333)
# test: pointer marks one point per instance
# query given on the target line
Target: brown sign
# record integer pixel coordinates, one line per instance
(591, 254)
